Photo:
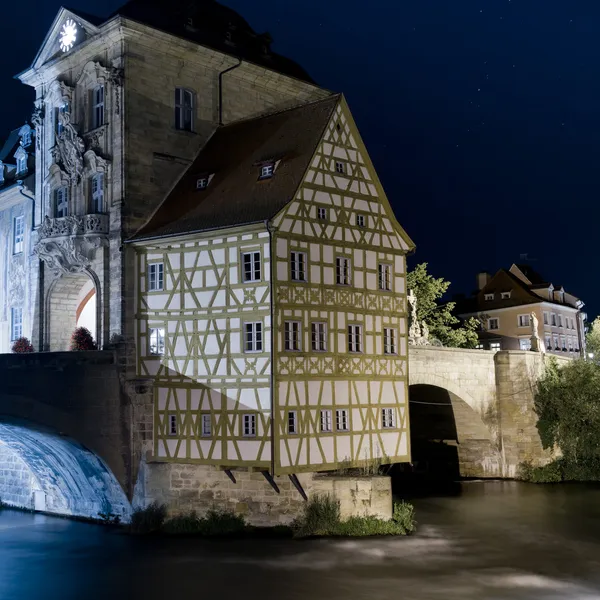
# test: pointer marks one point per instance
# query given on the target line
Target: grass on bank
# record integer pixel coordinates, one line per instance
(321, 517)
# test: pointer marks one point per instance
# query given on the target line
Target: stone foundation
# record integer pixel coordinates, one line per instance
(183, 488)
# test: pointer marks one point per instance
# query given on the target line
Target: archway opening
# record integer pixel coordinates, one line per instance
(449, 440)
(72, 303)
(45, 471)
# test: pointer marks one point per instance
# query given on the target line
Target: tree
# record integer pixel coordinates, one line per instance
(442, 324)
(82, 340)
(592, 339)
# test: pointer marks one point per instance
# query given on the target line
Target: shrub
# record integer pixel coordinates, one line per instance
(215, 523)
(82, 340)
(22, 346)
(322, 518)
(149, 519)
(550, 473)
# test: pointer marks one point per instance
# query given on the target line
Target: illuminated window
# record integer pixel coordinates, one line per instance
(155, 277)
(98, 107)
(505, 295)
(525, 344)
(495, 346)
(293, 332)
(251, 266)
(298, 266)
(354, 338)
(319, 337)
(253, 337)
(173, 424)
(341, 420)
(326, 421)
(249, 425)
(16, 323)
(385, 277)
(489, 297)
(388, 418)
(157, 340)
(266, 171)
(201, 183)
(18, 234)
(292, 421)
(342, 270)
(389, 341)
(184, 109)
(206, 425)
(97, 193)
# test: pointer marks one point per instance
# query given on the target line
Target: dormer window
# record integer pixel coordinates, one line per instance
(489, 297)
(22, 164)
(201, 183)
(266, 171)
(505, 295)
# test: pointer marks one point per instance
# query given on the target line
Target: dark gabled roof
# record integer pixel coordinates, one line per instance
(209, 23)
(10, 147)
(93, 19)
(533, 276)
(235, 196)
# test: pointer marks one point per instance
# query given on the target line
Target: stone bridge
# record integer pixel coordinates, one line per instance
(481, 402)
(74, 432)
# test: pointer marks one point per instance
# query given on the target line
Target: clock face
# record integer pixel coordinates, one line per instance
(68, 35)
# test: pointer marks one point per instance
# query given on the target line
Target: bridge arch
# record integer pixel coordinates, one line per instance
(43, 470)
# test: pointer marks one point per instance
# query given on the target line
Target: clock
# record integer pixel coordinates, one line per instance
(68, 35)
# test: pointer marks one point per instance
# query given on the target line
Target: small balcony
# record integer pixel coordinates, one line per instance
(72, 225)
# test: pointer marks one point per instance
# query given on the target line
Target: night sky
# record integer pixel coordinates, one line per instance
(482, 117)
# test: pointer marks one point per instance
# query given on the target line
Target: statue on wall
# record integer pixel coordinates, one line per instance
(536, 345)
(69, 147)
(414, 332)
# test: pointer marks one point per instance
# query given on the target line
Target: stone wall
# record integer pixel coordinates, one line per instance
(17, 482)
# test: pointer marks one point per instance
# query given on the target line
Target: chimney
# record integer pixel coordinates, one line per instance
(483, 279)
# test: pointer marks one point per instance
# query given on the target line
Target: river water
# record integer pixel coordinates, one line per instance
(496, 540)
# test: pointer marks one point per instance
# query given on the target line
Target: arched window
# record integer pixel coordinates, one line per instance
(185, 106)
(61, 202)
(97, 193)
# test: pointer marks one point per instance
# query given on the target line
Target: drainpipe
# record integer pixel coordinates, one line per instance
(221, 88)
(32, 198)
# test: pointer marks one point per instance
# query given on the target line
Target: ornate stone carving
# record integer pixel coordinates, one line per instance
(69, 148)
(68, 245)
(116, 78)
(16, 283)
(37, 119)
(94, 139)
(536, 343)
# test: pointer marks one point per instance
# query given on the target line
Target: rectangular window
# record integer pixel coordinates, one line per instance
(249, 425)
(341, 420)
(184, 109)
(156, 277)
(206, 425)
(570, 344)
(563, 342)
(493, 323)
(322, 213)
(172, 424)
(16, 323)
(292, 421)
(201, 183)
(97, 193)
(61, 202)
(326, 421)
(354, 338)
(556, 346)
(388, 418)
(560, 320)
(548, 342)
(525, 344)
(292, 336)
(523, 320)
(342, 270)
(340, 167)
(546, 319)
(298, 266)
(266, 171)
(253, 337)
(495, 346)
(157, 340)
(319, 337)
(385, 277)
(360, 220)
(58, 124)
(489, 297)
(98, 107)
(18, 234)
(22, 164)
(553, 319)
(251, 266)
(505, 295)
(389, 341)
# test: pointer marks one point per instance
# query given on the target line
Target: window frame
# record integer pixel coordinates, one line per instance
(546, 318)
(292, 422)
(266, 171)
(384, 273)
(292, 331)
(340, 167)
(18, 234)
(253, 277)
(505, 295)
(160, 340)
(97, 196)
(249, 426)
(489, 323)
(361, 221)
(553, 320)
(318, 336)
(156, 277)
(63, 193)
(22, 164)
(201, 183)
(298, 266)
(343, 271)
(390, 341)
(256, 338)
(183, 110)
(206, 418)
(16, 324)
(326, 421)
(173, 424)
(355, 338)
(521, 319)
(525, 341)
(489, 297)
(98, 112)
(496, 346)
(342, 415)
(322, 213)
(388, 417)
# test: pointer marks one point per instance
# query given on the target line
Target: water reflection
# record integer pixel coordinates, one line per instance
(496, 540)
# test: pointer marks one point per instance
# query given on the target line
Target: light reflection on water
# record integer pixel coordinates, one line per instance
(496, 540)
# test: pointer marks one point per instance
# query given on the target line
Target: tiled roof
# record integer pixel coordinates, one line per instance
(234, 154)
(10, 147)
